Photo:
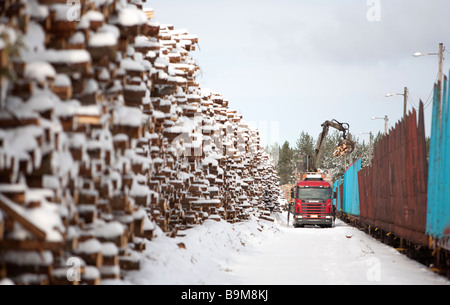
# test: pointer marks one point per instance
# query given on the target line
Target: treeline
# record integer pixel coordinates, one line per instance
(287, 157)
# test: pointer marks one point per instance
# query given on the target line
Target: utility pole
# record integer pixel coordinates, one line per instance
(405, 100)
(385, 122)
(440, 76)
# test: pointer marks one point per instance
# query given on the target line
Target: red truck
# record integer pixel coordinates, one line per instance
(313, 202)
(313, 196)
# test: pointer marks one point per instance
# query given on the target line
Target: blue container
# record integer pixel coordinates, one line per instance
(337, 202)
(438, 200)
(351, 189)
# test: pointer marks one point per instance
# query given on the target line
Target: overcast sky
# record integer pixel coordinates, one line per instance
(289, 65)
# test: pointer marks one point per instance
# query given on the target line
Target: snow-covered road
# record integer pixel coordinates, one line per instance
(340, 255)
(262, 252)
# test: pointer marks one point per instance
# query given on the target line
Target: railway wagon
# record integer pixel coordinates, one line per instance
(398, 198)
(391, 193)
(438, 208)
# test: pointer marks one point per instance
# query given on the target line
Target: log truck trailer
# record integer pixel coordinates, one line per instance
(313, 195)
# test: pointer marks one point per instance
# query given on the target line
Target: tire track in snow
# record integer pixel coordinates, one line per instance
(340, 255)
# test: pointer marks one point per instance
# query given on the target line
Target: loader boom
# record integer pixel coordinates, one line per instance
(345, 146)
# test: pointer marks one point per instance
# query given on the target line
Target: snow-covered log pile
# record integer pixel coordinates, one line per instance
(104, 135)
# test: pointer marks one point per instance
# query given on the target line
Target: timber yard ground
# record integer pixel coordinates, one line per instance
(260, 252)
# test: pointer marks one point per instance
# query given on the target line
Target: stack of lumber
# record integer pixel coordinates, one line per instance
(105, 134)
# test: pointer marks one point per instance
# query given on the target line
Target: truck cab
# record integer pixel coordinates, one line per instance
(313, 202)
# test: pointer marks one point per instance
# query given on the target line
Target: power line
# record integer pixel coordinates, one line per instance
(410, 100)
(429, 99)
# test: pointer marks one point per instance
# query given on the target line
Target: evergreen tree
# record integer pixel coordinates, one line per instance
(286, 163)
(378, 137)
(328, 161)
(305, 145)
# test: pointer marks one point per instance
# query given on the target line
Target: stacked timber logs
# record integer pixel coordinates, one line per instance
(105, 135)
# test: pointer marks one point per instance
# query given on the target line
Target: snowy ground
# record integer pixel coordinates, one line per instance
(261, 252)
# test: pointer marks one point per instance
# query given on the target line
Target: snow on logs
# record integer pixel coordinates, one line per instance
(105, 135)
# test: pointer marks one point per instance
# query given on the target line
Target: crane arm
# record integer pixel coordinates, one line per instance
(345, 146)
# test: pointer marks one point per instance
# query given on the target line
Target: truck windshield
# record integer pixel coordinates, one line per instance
(314, 193)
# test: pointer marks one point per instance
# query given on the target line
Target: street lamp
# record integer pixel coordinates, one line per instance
(405, 98)
(441, 59)
(385, 122)
(418, 54)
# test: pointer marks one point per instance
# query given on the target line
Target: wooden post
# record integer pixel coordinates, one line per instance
(405, 100)
(440, 76)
